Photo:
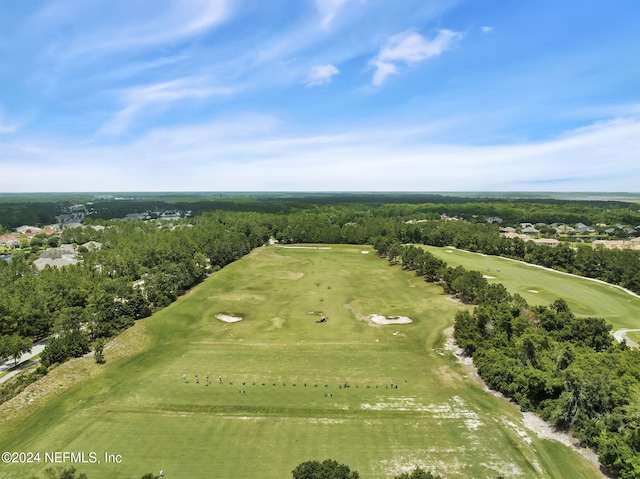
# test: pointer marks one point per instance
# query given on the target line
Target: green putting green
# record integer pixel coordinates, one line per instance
(541, 286)
(276, 392)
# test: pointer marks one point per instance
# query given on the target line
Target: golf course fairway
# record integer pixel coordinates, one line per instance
(537, 285)
(270, 390)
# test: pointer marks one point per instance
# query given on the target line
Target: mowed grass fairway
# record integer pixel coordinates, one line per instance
(438, 417)
(540, 286)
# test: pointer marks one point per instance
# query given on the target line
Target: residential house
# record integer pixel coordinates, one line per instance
(582, 228)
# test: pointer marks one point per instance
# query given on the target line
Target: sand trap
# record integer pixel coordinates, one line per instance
(305, 247)
(228, 318)
(364, 252)
(486, 276)
(533, 291)
(379, 319)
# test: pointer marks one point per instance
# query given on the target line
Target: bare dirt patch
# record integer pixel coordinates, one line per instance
(277, 322)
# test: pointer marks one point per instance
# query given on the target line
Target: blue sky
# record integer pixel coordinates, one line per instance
(319, 95)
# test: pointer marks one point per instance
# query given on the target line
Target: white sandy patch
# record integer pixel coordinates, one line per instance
(228, 318)
(455, 408)
(519, 431)
(379, 319)
(245, 418)
(533, 291)
(508, 469)
(364, 252)
(407, 463)
(400, 404)
(326, 420)
(544, 430)
(531, 421)
(486, 276)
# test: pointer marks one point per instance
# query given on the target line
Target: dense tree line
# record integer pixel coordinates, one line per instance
(565, 368)
(38, 209)
(165, 260)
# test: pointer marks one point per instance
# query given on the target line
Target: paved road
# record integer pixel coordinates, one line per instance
(23, 362)
(621, 335)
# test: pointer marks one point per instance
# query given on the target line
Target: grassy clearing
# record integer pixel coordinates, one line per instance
(539, 286)
(140, 407)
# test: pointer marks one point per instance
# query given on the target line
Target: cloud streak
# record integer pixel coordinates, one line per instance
(156, 97)
(327, 10)
(106, 30)
(253, 153)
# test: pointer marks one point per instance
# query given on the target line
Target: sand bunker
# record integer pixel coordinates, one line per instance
(305, 247)
(533, 291)
(228, 318)
(379, 319)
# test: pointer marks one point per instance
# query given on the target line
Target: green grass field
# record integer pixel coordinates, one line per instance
(438, 418)
(539, 286)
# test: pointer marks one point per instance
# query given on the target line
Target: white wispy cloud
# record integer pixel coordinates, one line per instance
(409, 48)
(487, 29)
(321, 74)
(6, 126)
(258, 153)
(157, 97)
(327, 10)
(102, 27)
